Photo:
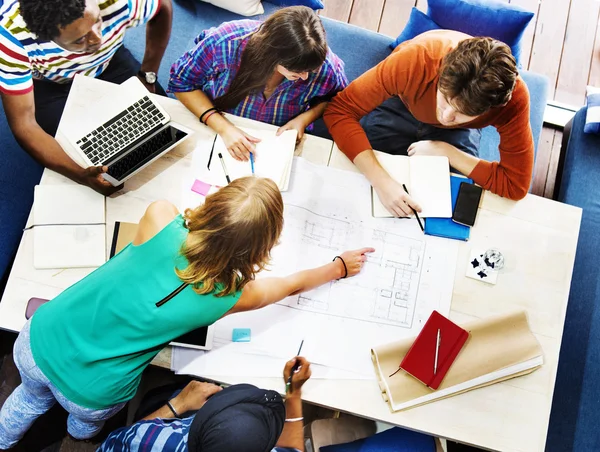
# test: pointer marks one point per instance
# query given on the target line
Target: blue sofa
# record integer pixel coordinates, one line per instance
(575, 408)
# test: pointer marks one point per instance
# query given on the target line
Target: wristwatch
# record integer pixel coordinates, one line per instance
(150, 77)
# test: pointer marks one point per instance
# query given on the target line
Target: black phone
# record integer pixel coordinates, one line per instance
(467, 203)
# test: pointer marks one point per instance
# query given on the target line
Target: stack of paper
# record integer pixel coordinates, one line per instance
(498, 349)
(69, 227)
(427, 179)
(273, 157)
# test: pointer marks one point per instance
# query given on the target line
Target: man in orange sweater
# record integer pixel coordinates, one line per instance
(429, 97)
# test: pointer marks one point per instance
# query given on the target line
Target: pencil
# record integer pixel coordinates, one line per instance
(414, 211)
(288, 385)
(224, 168)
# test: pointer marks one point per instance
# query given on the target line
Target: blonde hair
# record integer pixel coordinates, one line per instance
(231, 235)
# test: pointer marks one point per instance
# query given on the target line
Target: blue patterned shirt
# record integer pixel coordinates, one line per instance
(155, 435)
(215, 59)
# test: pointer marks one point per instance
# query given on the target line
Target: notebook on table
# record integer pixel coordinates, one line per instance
(273, 158)
(69, 229)
(499, 348)
(445, 227)
(427, 179)
(421, 361)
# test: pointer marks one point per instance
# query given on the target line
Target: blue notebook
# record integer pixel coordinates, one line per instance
(445, 227)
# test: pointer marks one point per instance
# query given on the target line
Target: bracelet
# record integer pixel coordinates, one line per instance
(209, 115)
(173, 410)
(207, 111)
(343, 263)
(294, 419)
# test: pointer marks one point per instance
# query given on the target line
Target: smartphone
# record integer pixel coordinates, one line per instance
(467, 204)
(32, 306)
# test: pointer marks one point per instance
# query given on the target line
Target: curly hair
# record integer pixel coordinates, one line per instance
(478, 75)
(45, 18)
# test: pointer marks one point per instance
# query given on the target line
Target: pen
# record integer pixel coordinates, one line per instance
(288, 385)
(414, 211)
(252, 162)
(437, 350)
(224, 168)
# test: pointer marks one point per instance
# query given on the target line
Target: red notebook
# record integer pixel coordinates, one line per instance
(420, 359)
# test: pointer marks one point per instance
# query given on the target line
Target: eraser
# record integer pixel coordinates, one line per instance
(241, 335)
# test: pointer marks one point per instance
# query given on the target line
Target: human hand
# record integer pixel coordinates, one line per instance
(295, 124)
(92, 177)
(300, 376)
(354, 260)
(239, 143)
(394, 198)
(429, 147)
(194, 396)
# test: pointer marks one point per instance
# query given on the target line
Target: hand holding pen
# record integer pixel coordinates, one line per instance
(294, 368)
(296, 378)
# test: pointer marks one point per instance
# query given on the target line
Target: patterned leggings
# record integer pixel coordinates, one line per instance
(36, 395)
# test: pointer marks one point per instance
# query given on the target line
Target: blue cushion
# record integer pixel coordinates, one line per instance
(314, 4)
(418, 23)
(499, 20)
(396, 439)
(592, 119)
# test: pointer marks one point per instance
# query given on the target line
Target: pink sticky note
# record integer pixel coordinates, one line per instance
(200, 187)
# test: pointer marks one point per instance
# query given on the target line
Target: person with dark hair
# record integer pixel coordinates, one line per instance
(430, 97)
(280, 72)
(205, 418)
(44, 44)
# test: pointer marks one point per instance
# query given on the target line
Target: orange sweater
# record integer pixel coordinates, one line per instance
(411, 72)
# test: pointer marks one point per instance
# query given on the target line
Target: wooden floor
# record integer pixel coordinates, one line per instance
(561, 42)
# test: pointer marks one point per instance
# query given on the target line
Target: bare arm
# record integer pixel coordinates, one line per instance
(43, 148)
(158, 32)
(191, 398)
(292, 435)
(239, 143)
(265, 291)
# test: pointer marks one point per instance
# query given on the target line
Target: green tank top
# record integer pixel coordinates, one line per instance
(94, 340)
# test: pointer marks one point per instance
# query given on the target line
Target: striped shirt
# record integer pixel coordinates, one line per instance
(23, 57)
(155, 435)
(214, 61)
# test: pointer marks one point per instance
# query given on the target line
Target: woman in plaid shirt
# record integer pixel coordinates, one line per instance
(279, 72)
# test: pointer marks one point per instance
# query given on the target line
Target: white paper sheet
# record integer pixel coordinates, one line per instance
(405, 279)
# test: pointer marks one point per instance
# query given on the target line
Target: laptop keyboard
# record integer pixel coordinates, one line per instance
(142, 154)
(121, 131)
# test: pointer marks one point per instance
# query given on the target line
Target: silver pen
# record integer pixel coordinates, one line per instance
(437, 351)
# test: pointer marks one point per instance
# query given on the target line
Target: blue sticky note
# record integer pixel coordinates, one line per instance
(241, 335)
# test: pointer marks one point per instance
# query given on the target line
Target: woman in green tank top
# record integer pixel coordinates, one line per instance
(88, 347)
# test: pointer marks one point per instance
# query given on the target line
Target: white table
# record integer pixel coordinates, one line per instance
(537, 236)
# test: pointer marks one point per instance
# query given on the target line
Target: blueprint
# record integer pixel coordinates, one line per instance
(327, 212)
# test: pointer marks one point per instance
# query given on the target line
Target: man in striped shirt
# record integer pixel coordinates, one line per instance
(45, 43)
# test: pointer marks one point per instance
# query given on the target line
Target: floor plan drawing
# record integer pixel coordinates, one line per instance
(386, 289)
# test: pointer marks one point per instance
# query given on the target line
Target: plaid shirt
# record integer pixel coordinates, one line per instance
(214, 61)
(155, 435)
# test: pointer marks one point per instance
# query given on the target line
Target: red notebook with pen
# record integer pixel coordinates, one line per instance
(420, 360)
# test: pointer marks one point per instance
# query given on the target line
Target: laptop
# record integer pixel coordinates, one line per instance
(127, 132)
